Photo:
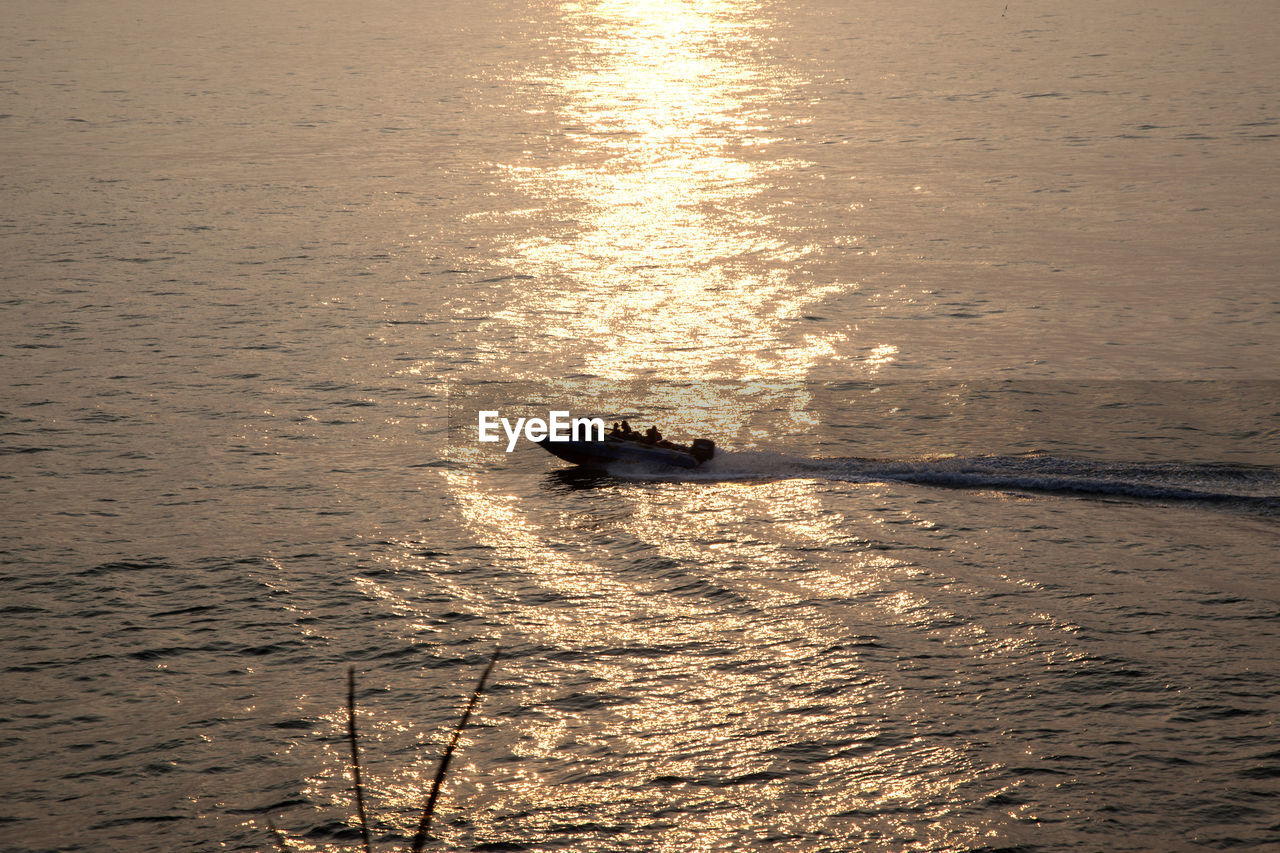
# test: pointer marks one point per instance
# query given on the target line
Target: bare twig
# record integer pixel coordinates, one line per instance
(355, 757)
(425, 824)
(278, 836)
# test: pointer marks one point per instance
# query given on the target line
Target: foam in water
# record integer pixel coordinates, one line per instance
(1029, 473)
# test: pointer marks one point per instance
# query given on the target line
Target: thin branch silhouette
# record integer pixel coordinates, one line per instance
(425, 824)
(355, 757)
(278, 836)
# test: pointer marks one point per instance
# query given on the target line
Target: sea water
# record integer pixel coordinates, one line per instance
(978, 300)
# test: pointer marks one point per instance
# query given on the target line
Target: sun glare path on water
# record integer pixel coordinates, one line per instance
(765, 611)
(670, 266)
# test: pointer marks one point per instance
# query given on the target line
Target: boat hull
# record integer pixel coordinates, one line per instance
(600, 454)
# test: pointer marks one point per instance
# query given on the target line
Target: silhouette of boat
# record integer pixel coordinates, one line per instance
(614, 448)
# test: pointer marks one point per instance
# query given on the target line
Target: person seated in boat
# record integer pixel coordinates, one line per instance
(652, 436)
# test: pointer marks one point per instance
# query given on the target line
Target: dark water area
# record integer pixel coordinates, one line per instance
(979, 303)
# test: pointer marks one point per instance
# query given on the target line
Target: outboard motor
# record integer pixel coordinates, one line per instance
(702, 449)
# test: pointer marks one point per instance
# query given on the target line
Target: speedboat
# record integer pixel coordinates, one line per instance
(614, 448)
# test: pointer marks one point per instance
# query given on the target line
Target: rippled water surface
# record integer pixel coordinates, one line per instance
(978, 300)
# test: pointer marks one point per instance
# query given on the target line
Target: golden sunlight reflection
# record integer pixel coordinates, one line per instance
(665, 259)
(674, 267)
(881, 356)
(778, 601)
(589, 590)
